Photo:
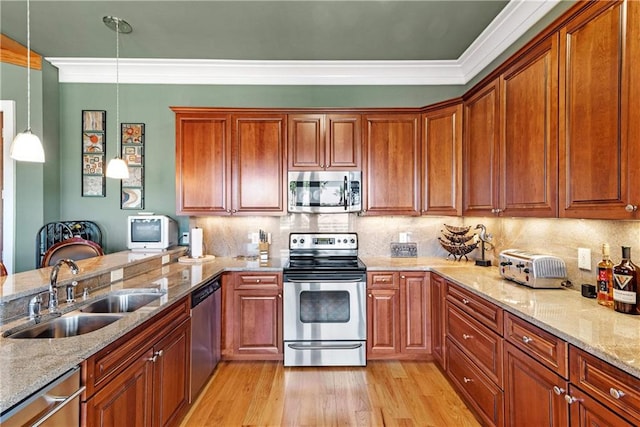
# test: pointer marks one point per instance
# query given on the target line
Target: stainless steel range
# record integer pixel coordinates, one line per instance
(324, 306)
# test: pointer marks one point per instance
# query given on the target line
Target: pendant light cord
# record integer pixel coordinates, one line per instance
(118, 154)
(28, 67)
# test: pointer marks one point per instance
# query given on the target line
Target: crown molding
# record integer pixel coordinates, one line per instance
(510, 24)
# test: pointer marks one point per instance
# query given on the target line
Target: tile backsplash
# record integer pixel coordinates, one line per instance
(225, 236)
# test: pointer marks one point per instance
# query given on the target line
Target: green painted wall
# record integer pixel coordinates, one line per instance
(149, 104)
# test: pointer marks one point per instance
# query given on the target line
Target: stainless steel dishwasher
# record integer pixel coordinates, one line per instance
(55, 405)
(206, 318)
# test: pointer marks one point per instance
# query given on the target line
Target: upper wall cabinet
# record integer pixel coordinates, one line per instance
(230, 164)
(391, 164)
(599, 125)
(481, 151)
(324, 141)
(203, 163)
(529, 133)
(442, 161)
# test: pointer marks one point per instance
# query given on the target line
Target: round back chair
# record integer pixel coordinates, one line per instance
(74, 248)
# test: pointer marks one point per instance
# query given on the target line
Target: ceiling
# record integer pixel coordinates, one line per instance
(267, 30)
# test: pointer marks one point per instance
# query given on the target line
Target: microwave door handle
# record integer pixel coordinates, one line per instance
(346, 184)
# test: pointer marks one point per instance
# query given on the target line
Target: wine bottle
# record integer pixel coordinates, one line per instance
(625, 284)
(605, 278)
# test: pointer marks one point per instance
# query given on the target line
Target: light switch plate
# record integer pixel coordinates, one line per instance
(584, 259)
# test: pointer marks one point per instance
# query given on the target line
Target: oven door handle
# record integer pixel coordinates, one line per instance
(315, 280)
(324, 347)
(346, 187)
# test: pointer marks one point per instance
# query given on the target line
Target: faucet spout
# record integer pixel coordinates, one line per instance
(53, 282)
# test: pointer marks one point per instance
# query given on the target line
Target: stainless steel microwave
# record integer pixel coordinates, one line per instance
(325, 191)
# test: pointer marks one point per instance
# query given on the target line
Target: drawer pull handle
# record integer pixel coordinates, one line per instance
(467, 380)
(467, 336)
(558, 390)
(526, 339)
(616, 394)
(465, 301)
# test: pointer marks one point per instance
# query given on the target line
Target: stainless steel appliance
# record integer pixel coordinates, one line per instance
(531, 269)
(55, 405)
(206, 318)
(325, 191)
(324, 306)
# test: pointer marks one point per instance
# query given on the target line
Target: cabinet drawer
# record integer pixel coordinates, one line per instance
(606, 383)
(483, 311)
(257, 281)
(383, 280)
(480, 392)
(479, 343)
(544, 347)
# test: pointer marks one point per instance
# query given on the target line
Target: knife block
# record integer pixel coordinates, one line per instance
(263, 250)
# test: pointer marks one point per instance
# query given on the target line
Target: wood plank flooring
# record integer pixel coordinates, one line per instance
(395, 393)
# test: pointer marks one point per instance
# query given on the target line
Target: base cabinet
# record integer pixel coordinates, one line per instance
(143, 378)
(398, 314)
(252, 321)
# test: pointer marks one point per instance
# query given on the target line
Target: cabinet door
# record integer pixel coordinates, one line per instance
(171, 375)
(383, 330)
(343, 142)
(533, 394)
(125, 401)
(257, 322)
(203, 156)
(480, 151)
(593, 152)
(415, 335)
(392, 158)
(529, 133)
(437, 318)
(442, 161)
(588, 412)
(306, 141)
(259, 164)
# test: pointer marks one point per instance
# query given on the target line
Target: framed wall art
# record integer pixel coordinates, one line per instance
(132, 143)
(94, 139)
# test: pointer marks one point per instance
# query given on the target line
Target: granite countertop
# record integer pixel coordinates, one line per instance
(27, 365)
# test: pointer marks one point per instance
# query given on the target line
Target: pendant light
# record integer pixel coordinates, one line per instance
(117, 167)
(27, 147)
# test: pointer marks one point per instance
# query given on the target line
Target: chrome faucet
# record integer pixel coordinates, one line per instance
(53, 287)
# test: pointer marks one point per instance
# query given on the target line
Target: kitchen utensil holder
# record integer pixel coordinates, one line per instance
(263, 249)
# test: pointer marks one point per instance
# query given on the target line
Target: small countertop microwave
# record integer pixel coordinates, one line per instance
(325, 191)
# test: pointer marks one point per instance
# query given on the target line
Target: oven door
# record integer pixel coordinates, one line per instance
(326, 310)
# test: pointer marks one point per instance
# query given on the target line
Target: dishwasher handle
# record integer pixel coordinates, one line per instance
(64, 401)
(204, 292)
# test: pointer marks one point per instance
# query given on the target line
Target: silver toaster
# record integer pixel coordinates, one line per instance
(531, 269)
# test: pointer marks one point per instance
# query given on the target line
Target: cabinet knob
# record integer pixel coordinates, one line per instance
(558, 390)
(233, 211)
(616, 394)
(280, 296)
(257, 280)
(228, 210)
(402, 277)
(569, 399)
(496, 211)
(631, 208)
(467, 336)
(467, 380)
(370, 295)
(465, 301)
(526, 339)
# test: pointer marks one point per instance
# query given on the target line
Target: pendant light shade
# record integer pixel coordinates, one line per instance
(27, 147)
(117, 168)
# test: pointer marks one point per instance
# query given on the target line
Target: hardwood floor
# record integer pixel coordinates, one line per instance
(398, 393)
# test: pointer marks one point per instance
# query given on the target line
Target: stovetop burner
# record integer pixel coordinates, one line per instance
(324, 251)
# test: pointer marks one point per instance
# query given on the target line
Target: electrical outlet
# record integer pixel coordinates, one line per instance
(584, 259)
(185, 238)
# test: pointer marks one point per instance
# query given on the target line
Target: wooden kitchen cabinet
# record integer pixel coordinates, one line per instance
(598, 117)
(143, 378)
(529, 133)
(437, 301)
(325, 141)
(481, 151)
(230, 163)
(252, 320)
(398, 313)
(442, 160)
(391, 164)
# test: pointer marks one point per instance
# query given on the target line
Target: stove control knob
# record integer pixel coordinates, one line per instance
(344, 241)
(353, 240)
(301, 241)
(295, 241)
(503, 263)
(526, 270)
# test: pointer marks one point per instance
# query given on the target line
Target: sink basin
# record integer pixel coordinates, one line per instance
(68, 325)
(121, 303)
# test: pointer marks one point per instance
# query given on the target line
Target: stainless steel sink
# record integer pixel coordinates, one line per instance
(69, 325)
(121, 303)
